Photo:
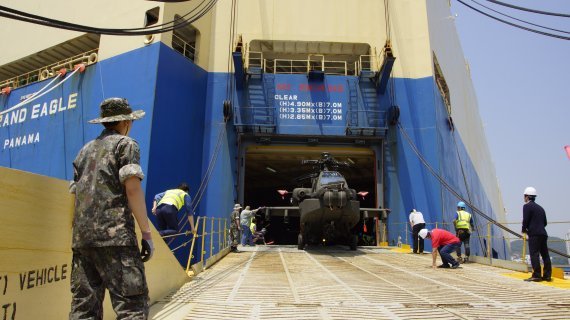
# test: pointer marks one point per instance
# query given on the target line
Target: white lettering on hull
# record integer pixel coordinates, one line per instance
(21, 141)
(38, 110)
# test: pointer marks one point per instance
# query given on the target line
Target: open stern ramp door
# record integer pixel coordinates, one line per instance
(271, 173)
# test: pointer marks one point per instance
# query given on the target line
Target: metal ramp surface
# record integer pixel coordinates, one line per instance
(280, 282)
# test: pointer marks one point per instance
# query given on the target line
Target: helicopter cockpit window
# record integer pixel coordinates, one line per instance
(332, 177)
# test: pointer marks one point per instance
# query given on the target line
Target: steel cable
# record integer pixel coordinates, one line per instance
(204, 182)
(450, 189)
(27, 17)
(514, 24)
(529, 10)
(523, 21)
(483, 248)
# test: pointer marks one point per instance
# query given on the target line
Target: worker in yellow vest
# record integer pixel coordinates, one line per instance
(253, 225)
(463, 224)
(168, 204)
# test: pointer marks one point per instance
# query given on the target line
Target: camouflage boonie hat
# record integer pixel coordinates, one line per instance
(117, 109)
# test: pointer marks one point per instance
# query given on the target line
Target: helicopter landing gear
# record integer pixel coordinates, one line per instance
(300, 242)
(353, 242)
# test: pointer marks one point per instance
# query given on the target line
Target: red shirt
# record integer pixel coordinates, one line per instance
(440, 237)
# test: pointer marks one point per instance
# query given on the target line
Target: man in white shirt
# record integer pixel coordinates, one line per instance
(417, 223)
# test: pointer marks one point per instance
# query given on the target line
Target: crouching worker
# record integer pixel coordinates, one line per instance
(445, 243)
(168, 205)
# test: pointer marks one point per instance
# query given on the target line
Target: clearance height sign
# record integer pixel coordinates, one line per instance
(311, 107)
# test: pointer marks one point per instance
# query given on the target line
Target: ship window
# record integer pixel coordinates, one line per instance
(184, 40)
(151, 16)
(332, 177)
(442, 84)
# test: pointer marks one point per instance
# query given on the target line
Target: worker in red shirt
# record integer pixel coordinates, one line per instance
(445, 243)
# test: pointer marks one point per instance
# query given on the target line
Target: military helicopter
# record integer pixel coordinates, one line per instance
(329, 209)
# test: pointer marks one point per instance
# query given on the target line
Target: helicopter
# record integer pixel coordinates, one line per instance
(328, 210)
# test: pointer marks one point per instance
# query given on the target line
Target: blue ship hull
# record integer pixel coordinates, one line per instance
(184, 132)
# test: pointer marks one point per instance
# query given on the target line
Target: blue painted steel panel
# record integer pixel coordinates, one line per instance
(409, 183)
(184, 138)
(177, 133)
(57, 121)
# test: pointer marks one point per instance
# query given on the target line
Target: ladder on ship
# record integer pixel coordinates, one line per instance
(259, 114)
(364, 116)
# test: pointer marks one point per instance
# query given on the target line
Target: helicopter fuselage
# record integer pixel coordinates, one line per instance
(328, 211)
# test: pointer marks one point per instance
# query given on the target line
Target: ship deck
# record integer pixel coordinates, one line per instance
(280, 282)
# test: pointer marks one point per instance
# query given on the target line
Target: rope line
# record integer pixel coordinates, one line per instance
(36, 19)
(32, 97)
(387, 19)
(229, 91)
(514, 24)
(205, 180)
(529, 10)
(521, 20)
(450, 189)
(483, 248)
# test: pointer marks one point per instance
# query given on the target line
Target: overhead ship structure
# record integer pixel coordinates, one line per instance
(236, 99)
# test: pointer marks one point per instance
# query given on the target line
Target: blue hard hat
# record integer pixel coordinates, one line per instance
(461, 204)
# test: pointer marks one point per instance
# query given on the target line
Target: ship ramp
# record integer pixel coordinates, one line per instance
(281, 282)
(262, 282)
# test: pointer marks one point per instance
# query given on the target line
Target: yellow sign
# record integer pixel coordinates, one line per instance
(35, 250)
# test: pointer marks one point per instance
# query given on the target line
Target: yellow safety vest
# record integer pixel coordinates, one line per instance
(174, 197)
(252, 227)
(463, 218)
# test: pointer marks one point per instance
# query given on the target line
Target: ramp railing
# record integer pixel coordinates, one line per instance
(254, 61)
(185, 48)
(212, 235)
(366, 63)
(513, 248)
(519, 251)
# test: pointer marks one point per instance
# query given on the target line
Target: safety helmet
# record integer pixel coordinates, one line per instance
(237, 206)
(423, 233)
(461, 204)
(530, 191)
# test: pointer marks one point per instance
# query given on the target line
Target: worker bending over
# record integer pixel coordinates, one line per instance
(445, 243)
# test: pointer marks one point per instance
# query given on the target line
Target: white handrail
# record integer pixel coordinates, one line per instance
(90, 57)
(32, 96)
(35, 96)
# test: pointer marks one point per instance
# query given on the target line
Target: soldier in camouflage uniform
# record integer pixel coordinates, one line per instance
(108, 193)
(234, 228)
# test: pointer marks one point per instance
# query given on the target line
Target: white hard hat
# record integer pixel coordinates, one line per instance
(423, 233)
(237, 206)
(530, 191)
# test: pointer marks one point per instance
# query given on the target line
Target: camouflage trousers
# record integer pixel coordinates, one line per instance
(118, 269)
(234, 236)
